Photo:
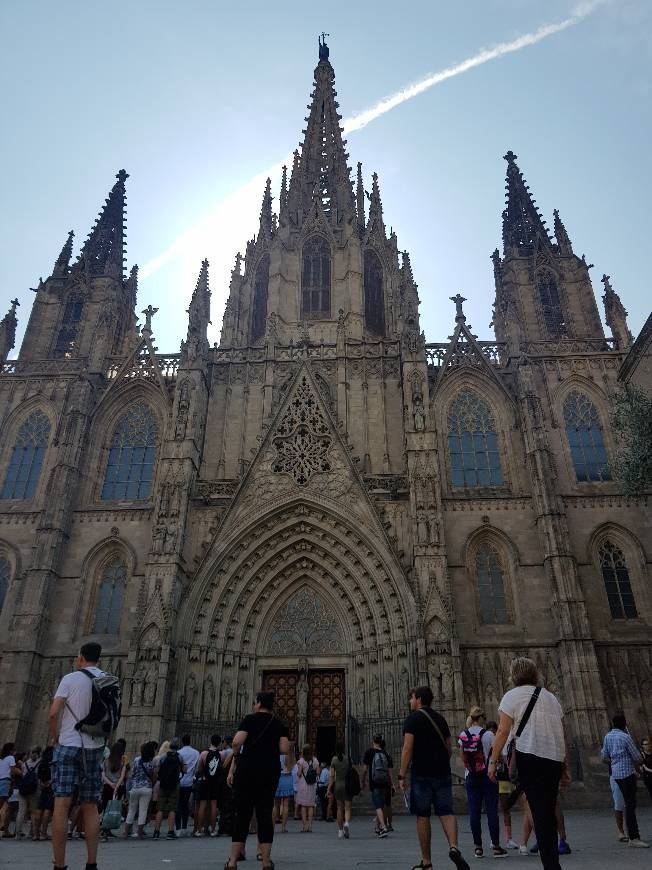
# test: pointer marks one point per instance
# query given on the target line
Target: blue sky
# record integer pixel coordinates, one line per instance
(196, 98)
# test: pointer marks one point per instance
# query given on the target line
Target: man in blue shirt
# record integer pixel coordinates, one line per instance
(624, 759)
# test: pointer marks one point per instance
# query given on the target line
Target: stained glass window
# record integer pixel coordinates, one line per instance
(110, 595)
(550, 302)
(617, 582)
(27, 457)
(5, 576)
(473, 442)
(132, 454)
(491, 586)
(316, 278)
(374, 302)
(584, 435)
(259, 309)
(69, 329)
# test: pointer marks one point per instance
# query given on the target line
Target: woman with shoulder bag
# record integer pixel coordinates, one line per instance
(142, 784)
(307, 767)
(534, 718)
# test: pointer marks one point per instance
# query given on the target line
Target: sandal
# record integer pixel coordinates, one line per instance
(422, 866)
(478, 852)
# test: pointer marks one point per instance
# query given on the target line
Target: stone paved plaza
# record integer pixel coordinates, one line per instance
(591, 835)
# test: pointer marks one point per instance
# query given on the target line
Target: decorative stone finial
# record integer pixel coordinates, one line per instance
(459, 313)
(149, 312)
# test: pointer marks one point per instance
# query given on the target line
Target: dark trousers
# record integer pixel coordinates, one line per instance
(628, 788)
(539, 778)
(480, 788)
(323, 801)
(183, 807)
(253, 796)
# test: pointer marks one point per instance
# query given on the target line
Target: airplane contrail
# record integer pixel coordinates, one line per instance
(224, 218)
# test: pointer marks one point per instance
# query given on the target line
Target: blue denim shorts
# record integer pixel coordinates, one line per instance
(5, 787)
(70, 769)
(431, 793)
(381, 797)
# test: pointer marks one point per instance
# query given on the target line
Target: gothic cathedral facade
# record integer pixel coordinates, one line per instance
(325, 503)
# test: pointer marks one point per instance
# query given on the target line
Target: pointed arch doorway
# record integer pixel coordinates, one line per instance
(304, 665)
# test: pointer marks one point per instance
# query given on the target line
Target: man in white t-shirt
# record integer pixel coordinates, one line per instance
(77, 759)
(189, 757)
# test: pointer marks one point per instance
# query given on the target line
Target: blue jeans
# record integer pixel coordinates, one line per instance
(479, 788)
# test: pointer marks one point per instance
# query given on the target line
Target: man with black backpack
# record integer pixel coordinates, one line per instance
(210, 778)
(84, 713)
(378, 770)
(170, 770)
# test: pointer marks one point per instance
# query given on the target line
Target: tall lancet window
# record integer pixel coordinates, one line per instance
(490, 579)
(473, 442)
(617, 583)
(316, 278)
(27, 457)
(550, 303)
(130, 466)
(69, 328)
(110, 596)
(259, 307)
(374, 302)
(584, 435)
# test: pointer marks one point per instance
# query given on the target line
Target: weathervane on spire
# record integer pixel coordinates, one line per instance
(323, 48)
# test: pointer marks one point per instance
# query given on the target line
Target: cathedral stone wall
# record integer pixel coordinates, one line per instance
(324, 504)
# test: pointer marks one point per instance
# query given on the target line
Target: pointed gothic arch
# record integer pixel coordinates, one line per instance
(550, 302)
(584, 437)
(67, 339)
(259, 299)
(306, 622)
(26, 450)
(316, 278)
(473, 448)
(492, 563)
(619, 562)
(374, 297)
(131, 455)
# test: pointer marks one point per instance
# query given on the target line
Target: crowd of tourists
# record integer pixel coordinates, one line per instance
(254, 781)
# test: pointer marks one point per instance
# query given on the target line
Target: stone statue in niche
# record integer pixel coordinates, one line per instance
(447, 679)
(302, 696)
(403, 686)
(419, 414)
(158, 539)
(189, 696)
(374, 694)
(422, 526)
(137, 686)
(389, 693)
(182, 411)
(208, 700)
(359, 696)
(170, 540)
(242, 698)
(149, 692)
(433, 675)
(226, 697)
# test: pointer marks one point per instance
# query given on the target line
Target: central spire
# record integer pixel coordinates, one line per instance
(522, 222)
(321, 172)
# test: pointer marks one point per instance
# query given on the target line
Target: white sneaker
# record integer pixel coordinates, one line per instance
(512, 845)
(639, 844)
(340, 834)
(523, 850)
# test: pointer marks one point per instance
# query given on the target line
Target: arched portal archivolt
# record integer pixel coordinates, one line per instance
(230, 604)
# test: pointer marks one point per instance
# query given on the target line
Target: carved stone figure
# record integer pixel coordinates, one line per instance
(302, 696)
(208, 700)
(189, 696)
(403, 686)
(242, 698)
(419, 414)
(158, 539)
(388, 700)
(447, 679)
(137, 686)
(149, 692)
(226, 696)
(360, 697)
(374, 694)
(422, 528)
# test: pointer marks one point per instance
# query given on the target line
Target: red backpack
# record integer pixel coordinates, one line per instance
(473, 752)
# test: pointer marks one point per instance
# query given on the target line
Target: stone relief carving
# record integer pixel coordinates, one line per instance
(374, 694)
(226, 697)
(208, 699)
(302, 439)
(189, 696)
(389, 693)
(304, 627)
(359, 696)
